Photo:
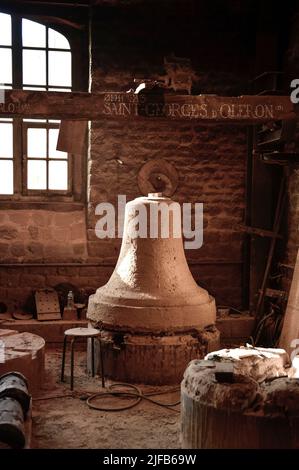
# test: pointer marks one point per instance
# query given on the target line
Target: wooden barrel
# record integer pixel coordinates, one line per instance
(12, 431)
(239, 413)
(14, 385)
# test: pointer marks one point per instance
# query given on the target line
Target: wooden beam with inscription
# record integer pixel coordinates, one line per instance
(249, 109)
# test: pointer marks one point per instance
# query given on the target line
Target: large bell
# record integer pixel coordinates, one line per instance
(151, 309)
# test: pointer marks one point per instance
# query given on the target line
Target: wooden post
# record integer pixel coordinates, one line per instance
(290, 329)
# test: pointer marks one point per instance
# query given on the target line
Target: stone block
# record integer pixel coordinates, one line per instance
(18, 249)
(8, 232)
(4, 247)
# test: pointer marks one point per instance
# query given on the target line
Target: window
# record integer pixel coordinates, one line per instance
(47, 168)
(6, 125)
(33, 56)
(6, 157)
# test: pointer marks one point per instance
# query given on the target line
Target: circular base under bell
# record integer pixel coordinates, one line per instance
(157, 360)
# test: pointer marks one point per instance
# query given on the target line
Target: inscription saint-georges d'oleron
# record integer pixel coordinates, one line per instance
(190, 110)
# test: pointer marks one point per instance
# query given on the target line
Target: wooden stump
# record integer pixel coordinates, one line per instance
(24, 353)
(237, 413)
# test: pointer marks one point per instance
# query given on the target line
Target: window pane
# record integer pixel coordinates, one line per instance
(6, 140)
(60, 65)
(59, 89)
(5, 66)
(6, 177)
(36, 88)
(53, 138)
(58, 175)
(36, 143)
(5, 30)
(57, 40)
(34, 34)
(37, 174)
(34, 67)
(34, 120)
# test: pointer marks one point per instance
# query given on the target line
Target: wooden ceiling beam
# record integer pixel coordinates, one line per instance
(247, 109)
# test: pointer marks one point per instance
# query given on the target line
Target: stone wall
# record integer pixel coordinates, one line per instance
(30, 237)
(45, 236)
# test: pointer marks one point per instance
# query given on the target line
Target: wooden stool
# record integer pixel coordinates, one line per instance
(87, 333)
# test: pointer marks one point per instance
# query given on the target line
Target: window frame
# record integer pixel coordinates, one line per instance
(46, 192)
(77, 171)
(8, 159)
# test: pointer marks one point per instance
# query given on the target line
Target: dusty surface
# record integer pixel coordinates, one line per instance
(200, 384)
(282, 396)
(69, 423)
(258, 363)
(260, 382)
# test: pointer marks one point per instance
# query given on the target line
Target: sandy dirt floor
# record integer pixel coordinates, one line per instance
(69, 423)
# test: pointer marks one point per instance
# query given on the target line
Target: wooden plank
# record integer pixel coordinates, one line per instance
(265, 184)
(47, 305)
(248, 109)
(290, 330)
(72, 136)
